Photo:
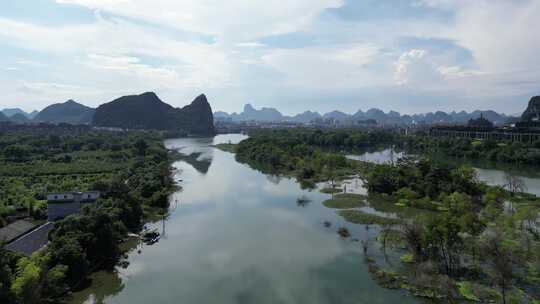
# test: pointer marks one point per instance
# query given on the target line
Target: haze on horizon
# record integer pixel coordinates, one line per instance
(411, 56)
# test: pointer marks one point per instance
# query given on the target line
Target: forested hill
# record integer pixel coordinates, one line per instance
(3, 117)
(147, 111)
(68, 112)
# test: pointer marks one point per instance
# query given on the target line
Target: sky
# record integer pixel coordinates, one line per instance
(412, 56)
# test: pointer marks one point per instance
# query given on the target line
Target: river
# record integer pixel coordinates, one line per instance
(235, 235)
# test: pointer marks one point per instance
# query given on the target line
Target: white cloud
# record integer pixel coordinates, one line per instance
(499, 33)
(117, 45)
(457, 71)
(420, 69)
(251, 44)
(235, 20)
(184, 47)
(339, 66)
(415, 67)
(133, 68)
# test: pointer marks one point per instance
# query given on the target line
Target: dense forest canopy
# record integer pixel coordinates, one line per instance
(131, 170)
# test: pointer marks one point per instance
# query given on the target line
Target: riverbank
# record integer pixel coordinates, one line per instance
(242, 232)
(467, 216)
(132, 171)
(268, 212)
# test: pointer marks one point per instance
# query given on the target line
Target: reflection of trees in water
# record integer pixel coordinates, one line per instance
(201, 164)
(102, 285)
(303, 201)
(274, 179)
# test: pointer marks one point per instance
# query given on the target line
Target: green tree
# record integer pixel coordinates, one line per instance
(141, 146)
(6, 274)
(17, 152)
(27, 285)
(514, 183)
(500, 257)
(66, 250)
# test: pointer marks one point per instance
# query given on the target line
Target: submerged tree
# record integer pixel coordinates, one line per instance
(500, 256)
(514, 183)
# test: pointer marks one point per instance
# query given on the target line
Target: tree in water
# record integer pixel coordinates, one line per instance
(500, 258)
(514, 183)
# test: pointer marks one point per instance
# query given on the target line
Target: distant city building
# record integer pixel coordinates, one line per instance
(527, 130)
(60, 205)
(480, 123)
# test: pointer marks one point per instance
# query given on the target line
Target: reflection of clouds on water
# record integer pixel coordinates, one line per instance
(274, 179)
(378, 157)
(282, 188)
(104, 286)
(353, 185)
(205, 257)
(237, 237)
(229, 138)
(134, 269)
(497, 177)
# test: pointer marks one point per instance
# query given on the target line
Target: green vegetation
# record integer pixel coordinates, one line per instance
(475, 242)
(132, 171)
(309, 155)
(470, 226)
(331, 190)
(345, 201)
(227, 147)
(465, 289)
(361, 217)
(407, 258)
(504, 152)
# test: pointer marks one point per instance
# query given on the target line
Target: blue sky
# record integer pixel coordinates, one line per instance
(412, 56)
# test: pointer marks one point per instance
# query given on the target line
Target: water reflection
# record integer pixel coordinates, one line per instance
(197, 160)
(378, 157)
(104, 285)
(238, 237)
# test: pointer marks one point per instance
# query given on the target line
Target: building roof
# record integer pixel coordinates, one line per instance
(480, 122)
(73, 196)
(32, 241)
(73, 192)
(15, 230)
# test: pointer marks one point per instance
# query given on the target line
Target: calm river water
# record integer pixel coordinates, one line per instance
(236, 235)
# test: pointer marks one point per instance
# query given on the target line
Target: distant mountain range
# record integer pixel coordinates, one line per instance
(337, 117)
(145, 111)
(13, 111)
